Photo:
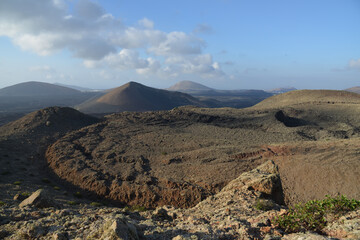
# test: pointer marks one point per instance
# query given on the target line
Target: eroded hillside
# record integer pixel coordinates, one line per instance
(181, 156)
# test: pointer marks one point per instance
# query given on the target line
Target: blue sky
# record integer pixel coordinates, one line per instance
(225, 44)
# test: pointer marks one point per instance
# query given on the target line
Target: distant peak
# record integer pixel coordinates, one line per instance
(188, 86)
(132, 84)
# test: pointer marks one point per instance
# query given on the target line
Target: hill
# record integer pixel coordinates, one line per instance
(137, 97)
(36, 89)
(353, 89)
(48, 121)
(188, 87)
(309, 96)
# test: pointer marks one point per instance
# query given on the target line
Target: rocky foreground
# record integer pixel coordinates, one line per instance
(233, 213)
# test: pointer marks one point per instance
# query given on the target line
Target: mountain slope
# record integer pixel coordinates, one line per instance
(29, 89)
(82, 89)
(137, 97)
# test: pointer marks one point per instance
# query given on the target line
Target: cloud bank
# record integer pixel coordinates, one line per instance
(103, 41)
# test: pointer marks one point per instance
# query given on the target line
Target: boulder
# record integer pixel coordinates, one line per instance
(115, 229)
(60, 236)
(265, 180)
(161, 214)
(39, 199)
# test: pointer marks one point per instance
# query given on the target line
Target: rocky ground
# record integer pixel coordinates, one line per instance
(229, 214)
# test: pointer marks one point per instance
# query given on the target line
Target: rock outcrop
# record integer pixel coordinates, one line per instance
(233, 213)
(39, 199)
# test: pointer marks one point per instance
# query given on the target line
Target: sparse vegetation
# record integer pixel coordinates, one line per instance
(96, 204)
(72, 203)
(57, 188)
(17, 183)
(263, 204)
(2, 203)
(311, 216)
(25, 194)
(78, 195)
(136, 208)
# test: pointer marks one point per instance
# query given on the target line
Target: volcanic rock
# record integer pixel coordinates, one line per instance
(39, 199)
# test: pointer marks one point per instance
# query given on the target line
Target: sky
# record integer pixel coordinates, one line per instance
(224, 44)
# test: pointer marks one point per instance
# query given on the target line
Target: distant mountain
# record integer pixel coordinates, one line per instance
(188, 87)
(137, 97)
(36, 89)
(281, 90)
(82, 89)
(354, 89)
(30, 96)
(221, 98)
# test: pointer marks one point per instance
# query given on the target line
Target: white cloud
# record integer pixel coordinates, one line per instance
(44, 27)
(137, 38)
(146, 23)
(101, 40)
(153, 67)
(88, 10)
(178, 43)
(202, 65)
(126, 59)
(354, 64)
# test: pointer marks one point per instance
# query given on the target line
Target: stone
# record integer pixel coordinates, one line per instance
(124, 230)
(39, 199)
(3, 234)
(115, 229)
(32, 231)
(19, 197)
(184, 237)
(161, 214)
(60, 236)
(304, 236)
(264, 180)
